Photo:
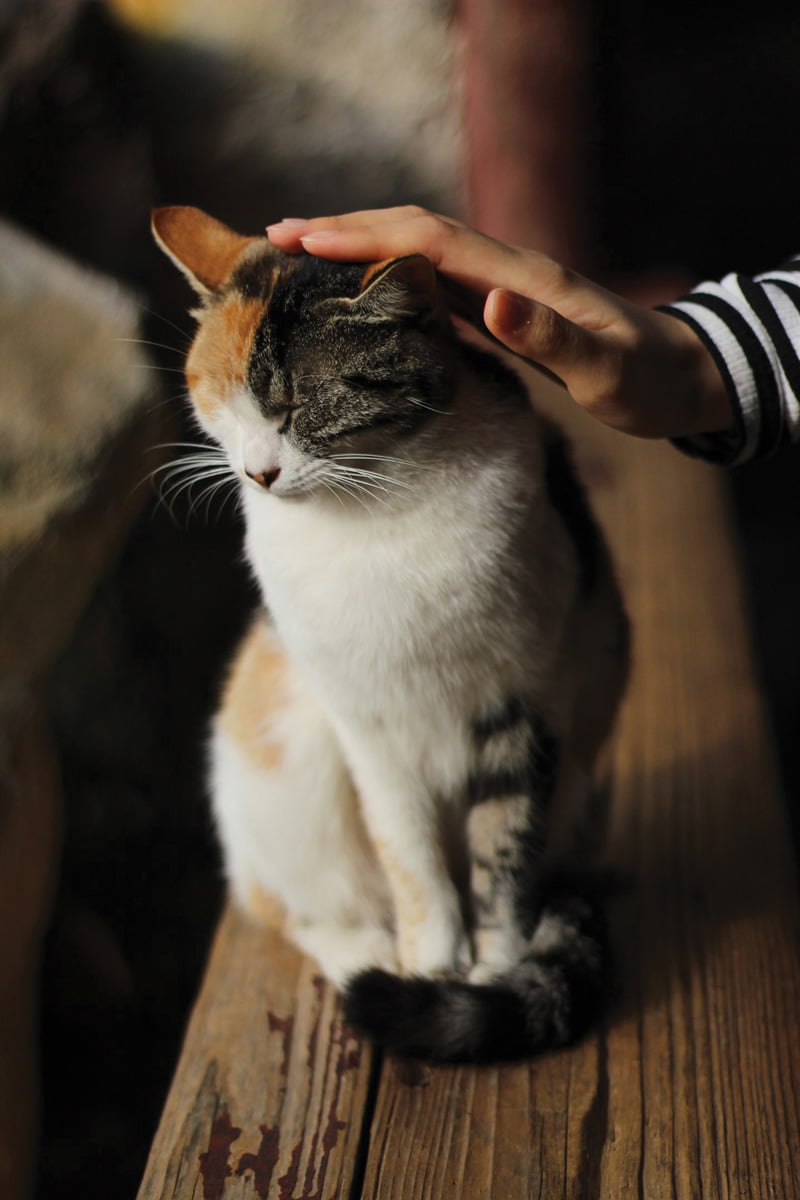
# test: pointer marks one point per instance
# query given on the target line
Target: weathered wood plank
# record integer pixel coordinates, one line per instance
(692, 1089)
(711, 967)
(489, 1132)
(268, 1097)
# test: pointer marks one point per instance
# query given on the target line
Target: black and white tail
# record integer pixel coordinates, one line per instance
(547, 1000)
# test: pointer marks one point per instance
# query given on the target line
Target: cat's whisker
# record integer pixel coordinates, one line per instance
(168, 470)
(184, 334)
(236, 494)
(155, 345)
(209, 494)
(442, 412)
(373, 490)
(332, 491)
(354, 475)
(376, 490)
(201, 456)
(143, 366)
(174, 469)
(403, 462)
(356, 493)
(174, 398)
(200, 446)
(179, 485)
(197, 476)
(358, 477)
(340, 487)
(364, 473)
(233, 490)
(202, 453)
(172, 486)
(365, 492)
(192, 460)
(189, 462)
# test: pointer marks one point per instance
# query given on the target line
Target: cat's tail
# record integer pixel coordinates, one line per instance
(548, 999)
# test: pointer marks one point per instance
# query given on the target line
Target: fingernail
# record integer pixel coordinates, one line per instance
(511, 312)
(319, 235)
(286, 223)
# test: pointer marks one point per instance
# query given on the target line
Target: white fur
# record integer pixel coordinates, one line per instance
(404, 618)
(330, 879)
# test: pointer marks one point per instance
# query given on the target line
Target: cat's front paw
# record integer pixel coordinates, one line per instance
(496, 952)
(482, 973)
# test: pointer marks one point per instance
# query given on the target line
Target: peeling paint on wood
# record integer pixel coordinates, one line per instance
(215, 1161)
(269, 1098)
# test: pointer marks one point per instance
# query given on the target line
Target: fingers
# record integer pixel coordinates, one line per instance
(565, 344)
(287, 234)
(407, 232)
(369, 216)
(367, 236)
(610, 354)
(542, 335)
(470, 257)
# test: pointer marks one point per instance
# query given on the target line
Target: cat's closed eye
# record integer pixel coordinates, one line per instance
(287, 412)
(369, 383)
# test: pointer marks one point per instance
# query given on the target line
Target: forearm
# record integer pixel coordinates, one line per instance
(751, 329)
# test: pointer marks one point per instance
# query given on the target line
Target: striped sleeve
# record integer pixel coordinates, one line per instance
(751, 326)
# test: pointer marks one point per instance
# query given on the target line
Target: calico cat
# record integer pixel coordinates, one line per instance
(440, 655)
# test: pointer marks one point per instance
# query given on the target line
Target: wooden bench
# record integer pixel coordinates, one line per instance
(691, 1088)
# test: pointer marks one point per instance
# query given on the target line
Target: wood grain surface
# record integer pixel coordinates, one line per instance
(270, 1093)
(690, 1087)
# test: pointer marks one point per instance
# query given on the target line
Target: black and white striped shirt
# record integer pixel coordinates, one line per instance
(751, 326)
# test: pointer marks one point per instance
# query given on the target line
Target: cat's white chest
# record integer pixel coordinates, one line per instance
(376, 600)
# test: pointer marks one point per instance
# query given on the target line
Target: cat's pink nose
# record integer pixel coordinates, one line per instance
(264, 478)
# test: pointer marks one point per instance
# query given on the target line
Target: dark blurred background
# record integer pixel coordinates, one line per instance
(684, 120)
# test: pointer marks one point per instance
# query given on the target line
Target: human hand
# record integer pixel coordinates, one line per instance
(642, 372)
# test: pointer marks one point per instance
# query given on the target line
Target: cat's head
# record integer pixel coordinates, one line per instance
(301, 367)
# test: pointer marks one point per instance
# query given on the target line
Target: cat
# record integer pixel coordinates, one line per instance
(440, 655)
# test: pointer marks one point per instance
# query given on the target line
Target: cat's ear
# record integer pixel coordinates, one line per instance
(199, 245)
(400, 288)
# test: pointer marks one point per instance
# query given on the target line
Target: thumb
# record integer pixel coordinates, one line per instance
(539, 333)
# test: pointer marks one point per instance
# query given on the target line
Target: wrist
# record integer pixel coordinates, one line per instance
(708, 408)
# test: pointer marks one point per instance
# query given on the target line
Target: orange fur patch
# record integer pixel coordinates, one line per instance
(256, 690)
(201, 246)
(265, 908)
(372, 270)
(220, 354)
